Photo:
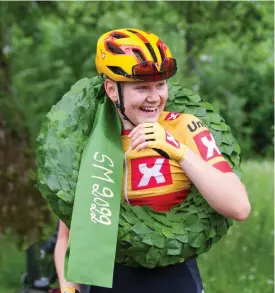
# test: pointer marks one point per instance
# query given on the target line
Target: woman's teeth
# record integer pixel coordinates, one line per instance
(146, 109)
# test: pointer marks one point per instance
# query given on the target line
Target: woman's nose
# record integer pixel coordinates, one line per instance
(153, 96)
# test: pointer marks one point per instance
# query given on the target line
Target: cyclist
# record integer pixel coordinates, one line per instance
(135, 66)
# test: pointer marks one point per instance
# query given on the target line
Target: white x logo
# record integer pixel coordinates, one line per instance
(211, 146)
(172, 140)
(148, 173)
(173, 116)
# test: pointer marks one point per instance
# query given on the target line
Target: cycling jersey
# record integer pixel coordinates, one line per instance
(159, 182)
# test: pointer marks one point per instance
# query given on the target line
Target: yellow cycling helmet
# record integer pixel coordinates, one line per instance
(134, 55)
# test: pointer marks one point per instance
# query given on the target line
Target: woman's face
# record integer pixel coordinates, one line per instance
(143, 101)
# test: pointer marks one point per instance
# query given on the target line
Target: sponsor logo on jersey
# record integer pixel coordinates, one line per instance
(207, 145)
(150, 172)
(171, 140)
(194, 125)
(172, 116)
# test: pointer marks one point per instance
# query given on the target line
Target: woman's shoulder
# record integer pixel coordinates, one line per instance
(182, 120)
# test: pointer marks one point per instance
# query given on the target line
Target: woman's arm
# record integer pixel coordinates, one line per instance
(223, 191)
(59, 256)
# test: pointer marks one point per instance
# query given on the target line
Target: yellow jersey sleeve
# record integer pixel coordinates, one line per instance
(199, 139)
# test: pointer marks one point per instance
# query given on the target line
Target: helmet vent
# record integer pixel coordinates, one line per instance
(161, 53)
(113, 48)
(139, 55)
(118, 70)
(131, 31)
(119, 35)
(152, 52)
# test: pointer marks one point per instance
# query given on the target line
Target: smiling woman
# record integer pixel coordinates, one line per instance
(143, 101)
(162, 219)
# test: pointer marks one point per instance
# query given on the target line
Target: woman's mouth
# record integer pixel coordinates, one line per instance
(151, 110)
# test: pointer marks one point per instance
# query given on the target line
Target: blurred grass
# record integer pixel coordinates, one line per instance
(12, 265)
(242, 262)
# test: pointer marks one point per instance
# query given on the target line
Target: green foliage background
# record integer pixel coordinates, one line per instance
(224, 51)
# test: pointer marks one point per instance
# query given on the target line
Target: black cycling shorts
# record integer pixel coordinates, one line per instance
(178, 278)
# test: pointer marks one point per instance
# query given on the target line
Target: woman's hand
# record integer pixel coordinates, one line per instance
(154, 136)
(69, 290)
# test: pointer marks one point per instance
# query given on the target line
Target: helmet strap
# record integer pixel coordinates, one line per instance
(120, 105)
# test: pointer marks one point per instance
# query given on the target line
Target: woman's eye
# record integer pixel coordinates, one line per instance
(142, 88)
(160, 85)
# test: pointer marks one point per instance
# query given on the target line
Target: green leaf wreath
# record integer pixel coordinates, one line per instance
(145, 237)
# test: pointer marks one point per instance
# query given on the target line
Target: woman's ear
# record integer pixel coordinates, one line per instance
(110, 87)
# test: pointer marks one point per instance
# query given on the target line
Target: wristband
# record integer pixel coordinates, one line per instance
(69, 290)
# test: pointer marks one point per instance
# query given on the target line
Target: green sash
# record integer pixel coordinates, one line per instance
(90, 256)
